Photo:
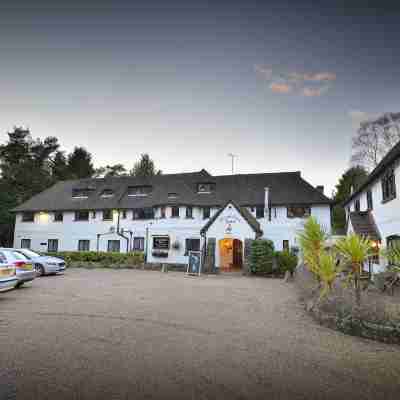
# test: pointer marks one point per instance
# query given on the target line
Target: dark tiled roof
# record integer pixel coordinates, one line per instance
(242, 211)
(387, 161)
(247, 189)
(363, 224)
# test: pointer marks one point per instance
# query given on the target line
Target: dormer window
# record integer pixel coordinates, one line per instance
(107, 193)
(172, 195)
(81, 193)
(205, 187)
(139, 190)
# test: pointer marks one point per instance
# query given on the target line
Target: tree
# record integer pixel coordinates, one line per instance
(110, 171)
(352, 178)
(317, 259)
(375, 138)
(80, 163)
(144, 167)
(355, 250)
(25, 171)
(59, 167)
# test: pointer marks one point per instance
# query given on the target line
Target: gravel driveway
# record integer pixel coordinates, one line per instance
(99, 334)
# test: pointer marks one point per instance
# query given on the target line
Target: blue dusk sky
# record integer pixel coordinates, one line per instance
(282, 84)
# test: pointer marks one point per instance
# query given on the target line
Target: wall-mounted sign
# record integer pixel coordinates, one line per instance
(194, 263)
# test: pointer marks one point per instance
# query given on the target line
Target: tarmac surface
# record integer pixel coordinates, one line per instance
(132, 334)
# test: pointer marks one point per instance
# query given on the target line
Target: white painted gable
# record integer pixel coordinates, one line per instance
(231, 224)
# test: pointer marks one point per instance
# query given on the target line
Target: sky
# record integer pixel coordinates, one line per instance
(281, 84)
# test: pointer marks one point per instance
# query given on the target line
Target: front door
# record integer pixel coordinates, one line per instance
(230, 254)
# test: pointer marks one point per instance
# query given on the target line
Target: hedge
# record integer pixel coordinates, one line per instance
(286, 261)
(262, 256)
(104, 259)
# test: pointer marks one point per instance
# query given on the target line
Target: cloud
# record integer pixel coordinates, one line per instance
(303, 84)
(265, 71)
(280, 87)
(320, 77)
(312, 92)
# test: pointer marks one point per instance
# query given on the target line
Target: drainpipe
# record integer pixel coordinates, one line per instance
(203, 259)
(120, 234)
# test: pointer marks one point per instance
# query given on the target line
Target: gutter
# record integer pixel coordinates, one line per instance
(120, 234)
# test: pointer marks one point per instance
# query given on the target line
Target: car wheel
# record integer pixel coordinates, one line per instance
(39, 270)
(19, 284)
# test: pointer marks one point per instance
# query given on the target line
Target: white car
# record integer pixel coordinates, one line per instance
(43, 265)
(8, 277)
(23, 266)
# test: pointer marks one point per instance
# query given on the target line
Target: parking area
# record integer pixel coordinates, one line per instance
(94, 334)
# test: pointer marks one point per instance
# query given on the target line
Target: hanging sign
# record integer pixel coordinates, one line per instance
(194, 263)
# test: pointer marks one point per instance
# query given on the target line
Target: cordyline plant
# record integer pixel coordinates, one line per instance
(328, 271)
(355, 250)
(319, 261)
(312, 242)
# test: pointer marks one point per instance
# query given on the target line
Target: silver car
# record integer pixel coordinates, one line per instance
(23, 266)
(8, 277)
(43, 265)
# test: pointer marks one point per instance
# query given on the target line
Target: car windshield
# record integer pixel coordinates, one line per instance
(29, 253)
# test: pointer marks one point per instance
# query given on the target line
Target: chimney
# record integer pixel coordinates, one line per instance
(320, 188)
(266, 198)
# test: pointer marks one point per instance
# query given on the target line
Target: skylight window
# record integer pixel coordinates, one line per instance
(139, 190)
(205, 187)
(81, 193)
(107, 193)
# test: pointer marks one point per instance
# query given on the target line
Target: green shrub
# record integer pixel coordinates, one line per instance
(286, 261)
(102, 259)
(261, 257)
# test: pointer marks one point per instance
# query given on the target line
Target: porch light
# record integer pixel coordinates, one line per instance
(375, 244)
(43, 217)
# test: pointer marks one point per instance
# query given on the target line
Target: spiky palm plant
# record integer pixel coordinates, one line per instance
(328, 271)
(355, 250)
(311, 240)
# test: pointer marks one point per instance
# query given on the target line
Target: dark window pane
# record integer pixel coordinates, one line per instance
(206, 212)
(83, 245)
(298, 212)
(370, 205)
(81, 215)
(189, 212)
(113, 246)
(260, 212)
(143, 213)
(357, 205)
(107, 215)
(175, 212)
(58, 216)
(138, 244)
(162, 211)
(25, 243)
(52, 245)
(28, 216)
(285, 245)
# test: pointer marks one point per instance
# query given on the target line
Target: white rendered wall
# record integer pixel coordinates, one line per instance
(69, 232)
(386, 215)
